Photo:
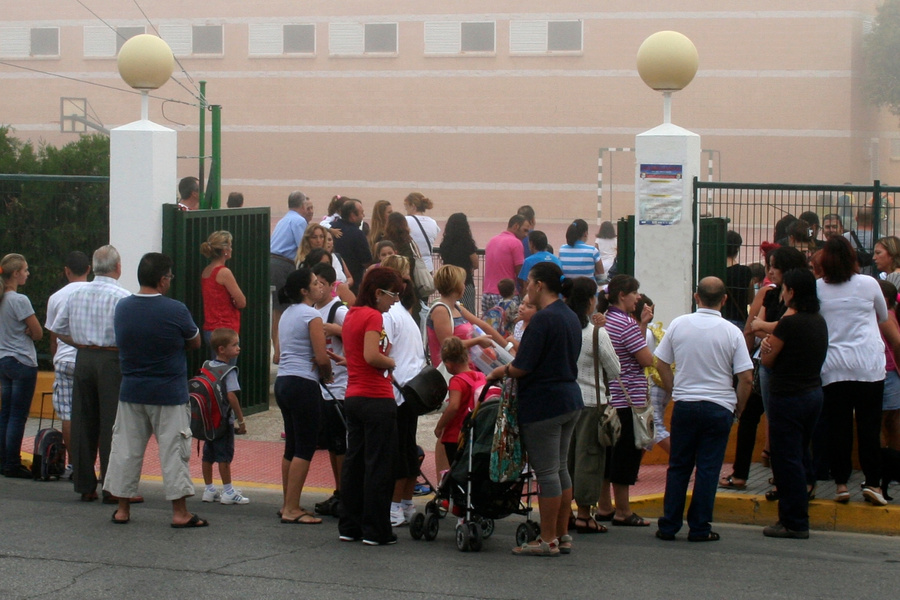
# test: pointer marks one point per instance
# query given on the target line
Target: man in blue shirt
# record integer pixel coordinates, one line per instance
(152, 334)
(537, 243)
(283, 250)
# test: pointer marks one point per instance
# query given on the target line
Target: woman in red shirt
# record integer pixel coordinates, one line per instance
(367, 479)
(222, 296)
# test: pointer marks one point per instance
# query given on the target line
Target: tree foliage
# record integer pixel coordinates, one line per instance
(45, 220)
(882, 51)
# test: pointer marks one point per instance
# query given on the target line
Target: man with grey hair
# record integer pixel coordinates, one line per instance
(86, 322)
(283, 251)
(709, 353)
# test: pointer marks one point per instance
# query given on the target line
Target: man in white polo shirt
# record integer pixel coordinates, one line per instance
(708, 352)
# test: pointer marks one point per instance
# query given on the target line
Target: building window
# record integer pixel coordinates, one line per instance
(207, 39)
(477, 37)
(359, 39)
(45, 41)
(186, 40)
(123, 34)
(299, 39)
(275, 39)
(545, 37)
(26, 42)
(454, 37)
(895, 149)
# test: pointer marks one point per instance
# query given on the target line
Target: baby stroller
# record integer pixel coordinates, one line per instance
(467, 491)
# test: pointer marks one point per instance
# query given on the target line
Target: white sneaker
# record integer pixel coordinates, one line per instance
(213, 496)
(234, 497)
(397, 518)
(67, 474)
(408, 512)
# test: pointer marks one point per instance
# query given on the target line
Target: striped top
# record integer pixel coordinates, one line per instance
(578, 260)
(627, 340)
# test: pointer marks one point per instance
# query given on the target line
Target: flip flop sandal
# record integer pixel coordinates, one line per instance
(303, 519)
(728, 483)
(599, 516)
(195, 521)
(772, 495)
(842, 497)
(633, 520)
(119, 521)
(565, 544)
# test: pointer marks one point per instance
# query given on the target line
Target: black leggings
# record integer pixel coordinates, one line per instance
(300, 401)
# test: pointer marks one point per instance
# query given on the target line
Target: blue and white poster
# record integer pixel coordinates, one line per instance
(660, 194)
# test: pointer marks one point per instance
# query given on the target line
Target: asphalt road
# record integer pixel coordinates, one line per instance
(53, 546)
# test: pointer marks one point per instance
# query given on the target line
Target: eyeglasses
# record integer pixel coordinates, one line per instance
(170, 276)
(389, 293)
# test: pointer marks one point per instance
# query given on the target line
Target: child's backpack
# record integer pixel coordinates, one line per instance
(49, 450)
(210, 410)
(496, 318)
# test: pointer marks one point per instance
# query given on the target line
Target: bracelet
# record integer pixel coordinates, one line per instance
(239, 423)
(509, 346)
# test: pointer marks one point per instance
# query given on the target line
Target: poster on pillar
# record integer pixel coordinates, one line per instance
(660, 194)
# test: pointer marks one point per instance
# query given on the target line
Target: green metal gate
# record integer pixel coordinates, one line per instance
(183, 232)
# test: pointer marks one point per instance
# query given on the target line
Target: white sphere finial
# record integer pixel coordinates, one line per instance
(146, 62)
(667, 61)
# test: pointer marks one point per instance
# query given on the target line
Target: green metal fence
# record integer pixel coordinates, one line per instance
(183, 232)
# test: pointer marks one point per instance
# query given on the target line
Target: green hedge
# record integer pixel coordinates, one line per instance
(44, 218)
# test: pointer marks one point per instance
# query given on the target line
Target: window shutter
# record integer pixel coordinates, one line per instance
(15, 42)
(346, 39)
(99, 41)
(265, 38)
(442, 37)
(527, 37)
(179, 38)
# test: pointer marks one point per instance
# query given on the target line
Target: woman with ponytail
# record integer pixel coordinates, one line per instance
(549, 402)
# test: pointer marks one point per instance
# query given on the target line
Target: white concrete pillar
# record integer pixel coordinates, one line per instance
(663, 253)
(143, 177)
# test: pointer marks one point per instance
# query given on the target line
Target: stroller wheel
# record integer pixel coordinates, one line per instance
(462, 538)
(523, 534)
(431, 526)
(535, 532)
(487, 528)
(475, 537)
(417, 526)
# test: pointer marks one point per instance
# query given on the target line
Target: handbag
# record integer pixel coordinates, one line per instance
(507, 455)
(642, 419)
(421, 276)
(425, 392)
(609, 427)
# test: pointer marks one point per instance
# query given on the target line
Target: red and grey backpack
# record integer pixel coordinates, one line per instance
(210, 410)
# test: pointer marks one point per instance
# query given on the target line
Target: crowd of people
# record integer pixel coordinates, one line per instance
(351, 327)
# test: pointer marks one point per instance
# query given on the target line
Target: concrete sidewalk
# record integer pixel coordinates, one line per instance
(257, 466)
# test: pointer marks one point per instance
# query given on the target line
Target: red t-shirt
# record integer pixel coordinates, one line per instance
(362, 378)
(466, 383)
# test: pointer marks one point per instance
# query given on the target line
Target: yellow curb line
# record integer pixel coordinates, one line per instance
(824, 515)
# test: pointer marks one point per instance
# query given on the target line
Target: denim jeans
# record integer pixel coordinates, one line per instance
(792, 421)
(699, 436)
(17, 382)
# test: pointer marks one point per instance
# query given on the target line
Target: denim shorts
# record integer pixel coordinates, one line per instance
(891, 398)
(220, 450)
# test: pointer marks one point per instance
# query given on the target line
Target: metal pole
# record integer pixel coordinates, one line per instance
(202, 149)
(215, 170)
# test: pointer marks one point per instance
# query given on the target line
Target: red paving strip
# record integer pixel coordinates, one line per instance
(258, 464)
